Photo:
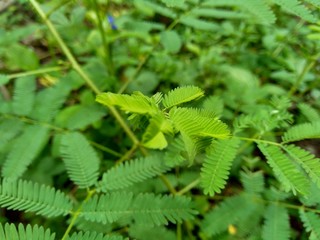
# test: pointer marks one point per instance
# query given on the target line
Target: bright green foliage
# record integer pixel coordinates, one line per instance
(136, 103)
(302, 131)
(133, 171)
(197, 123)
(11, 232)
(92, 236)
(204, 84)
(276, 223)
(311, 222)
(24, 150)
(81, 160)
(32, 197)
(181, 95)
(306, 160)
(23, 98)
(310, 113)
(296, 7)
(230, 211)
(216, 166)
(285, 169)
(144, 208)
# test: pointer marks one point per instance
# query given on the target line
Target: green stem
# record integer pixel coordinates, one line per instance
(105, 149)
(107, 57)
(300, 78)
(258, 140)
(127, 155)
(189, 187)
(75, 65)
(76, 215)
(36, 72)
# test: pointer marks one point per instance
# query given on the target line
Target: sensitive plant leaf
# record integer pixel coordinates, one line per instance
(217, 163)
(260, 10)
(10, 231)
(198, 123)
(171, 41)
(9, 129)
(173, 3)
(196, 23)
(93, 236)
(32, 197)
(302, 131)
(153, 136)
(311, 222)
(23, 96)
(310, 113)
(79, 116)
(144, 208)
(218, 13)
(297, 7)
(182, 95)
(162, 10)
(80, 158)
(136, 103)
(130, 172)
(24, 150)
(306, 160)
(276, 224)
(285, 170)
(230, 211)
(48, 102)
(253, 182)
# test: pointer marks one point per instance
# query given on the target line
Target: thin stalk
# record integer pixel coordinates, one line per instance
(300, 78)
(37, 72)
(107, 57)
(105, 149)
(127, 155)
(258, 140)
(189, 187)
(179, 232)
(76, 215)
(75, 65)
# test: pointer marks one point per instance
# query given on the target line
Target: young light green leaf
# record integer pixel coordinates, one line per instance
(136, 103)
(181, 95)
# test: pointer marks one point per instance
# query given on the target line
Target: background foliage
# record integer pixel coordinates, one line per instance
(186, 119)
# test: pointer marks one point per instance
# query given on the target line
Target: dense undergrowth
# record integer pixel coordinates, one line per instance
(186, 119)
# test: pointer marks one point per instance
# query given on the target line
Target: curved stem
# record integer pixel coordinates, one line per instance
(258, 140)
(38, 71)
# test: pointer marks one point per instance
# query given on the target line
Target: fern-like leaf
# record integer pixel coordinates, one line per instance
(310, 113)
(297, 8)
(130, 172)
(252, 182)
(144, 209)
(181, 95)
(311, 222)
(24, 150)
(162, 10)
(230, 211)
(23, 97)
(53, 97)
(136, 103)
(197, 124)
(285, 169)
(80, 158)
(302, 131)
(9, 129)
(276, 224)
(216, 166)
(308, 161)
(32, 197)
(217, 13)
(92, 236)
(199, 24)
(153, 136)
(11, 232)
